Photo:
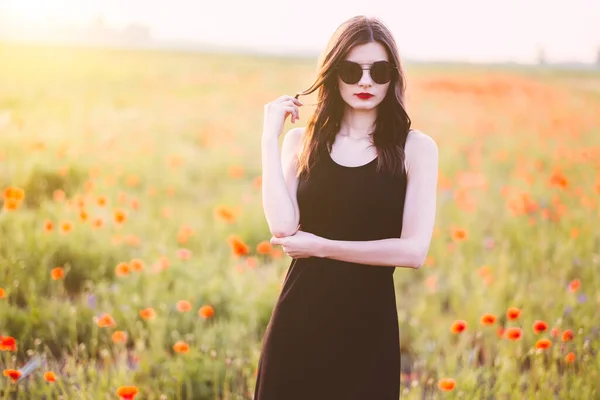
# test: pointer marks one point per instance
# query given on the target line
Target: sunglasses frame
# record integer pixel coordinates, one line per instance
(390, 66)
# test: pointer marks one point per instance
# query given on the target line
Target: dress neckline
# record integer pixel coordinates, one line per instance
(347, 166)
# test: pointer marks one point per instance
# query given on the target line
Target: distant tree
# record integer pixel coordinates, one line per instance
(135, 33)
(98, 30)
(541, 55)
(598, 57)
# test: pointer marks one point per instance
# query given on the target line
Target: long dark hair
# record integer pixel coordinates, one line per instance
(392, 124)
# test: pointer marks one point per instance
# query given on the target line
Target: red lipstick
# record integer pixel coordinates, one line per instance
(364, 96)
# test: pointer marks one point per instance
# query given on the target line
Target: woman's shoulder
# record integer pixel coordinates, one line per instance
(419, 138)
(292, 141)
(296, 132)
(419, 146)
(419, 142)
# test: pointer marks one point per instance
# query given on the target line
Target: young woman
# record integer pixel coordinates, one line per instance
(352, 197)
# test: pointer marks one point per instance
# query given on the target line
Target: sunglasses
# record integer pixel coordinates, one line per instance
(351, 72)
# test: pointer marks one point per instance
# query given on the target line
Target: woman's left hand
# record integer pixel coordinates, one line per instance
(301, 244)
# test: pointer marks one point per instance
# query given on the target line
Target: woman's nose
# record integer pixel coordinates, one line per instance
(365, 80)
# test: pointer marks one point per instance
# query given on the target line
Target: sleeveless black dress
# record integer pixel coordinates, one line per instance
(333, 333)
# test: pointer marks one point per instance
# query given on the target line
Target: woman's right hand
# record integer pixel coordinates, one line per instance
(277, 111)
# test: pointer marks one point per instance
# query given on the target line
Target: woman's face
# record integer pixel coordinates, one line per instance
(365, 55)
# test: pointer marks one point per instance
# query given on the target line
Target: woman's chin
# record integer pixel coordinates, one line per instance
(363, 105)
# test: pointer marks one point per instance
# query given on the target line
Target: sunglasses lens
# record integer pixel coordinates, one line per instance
(381, 72)
(349, 72)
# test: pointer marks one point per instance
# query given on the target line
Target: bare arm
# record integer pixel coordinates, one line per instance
(412, 247)
(279, 182)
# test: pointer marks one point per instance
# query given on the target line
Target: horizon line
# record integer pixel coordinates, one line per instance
(195, 46)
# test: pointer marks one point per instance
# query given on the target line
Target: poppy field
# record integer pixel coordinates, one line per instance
(135, 260)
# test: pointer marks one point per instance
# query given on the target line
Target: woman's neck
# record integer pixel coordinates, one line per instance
(357, 124)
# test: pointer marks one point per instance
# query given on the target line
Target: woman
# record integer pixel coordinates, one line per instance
(352, 198)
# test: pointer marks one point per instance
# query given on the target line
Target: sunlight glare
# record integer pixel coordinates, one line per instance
(45, 11)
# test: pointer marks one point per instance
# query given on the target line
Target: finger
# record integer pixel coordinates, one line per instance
(290, 111)
(293, 110)
(297, 100)
(277, 241)
(290, 104)
(293, 99)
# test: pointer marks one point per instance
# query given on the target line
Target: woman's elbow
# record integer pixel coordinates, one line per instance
(415, 256)
(419, 258)
(284, 231)
(279, 234)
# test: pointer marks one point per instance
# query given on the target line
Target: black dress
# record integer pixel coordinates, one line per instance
(333, 333)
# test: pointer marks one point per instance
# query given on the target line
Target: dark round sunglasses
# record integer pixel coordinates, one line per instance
(351, 72)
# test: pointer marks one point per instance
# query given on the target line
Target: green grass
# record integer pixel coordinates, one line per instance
(156, 134)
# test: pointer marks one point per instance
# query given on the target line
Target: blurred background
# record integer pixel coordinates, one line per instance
(135, 256)
(465, 31)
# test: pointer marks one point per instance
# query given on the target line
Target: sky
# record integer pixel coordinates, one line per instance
(453, 30)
